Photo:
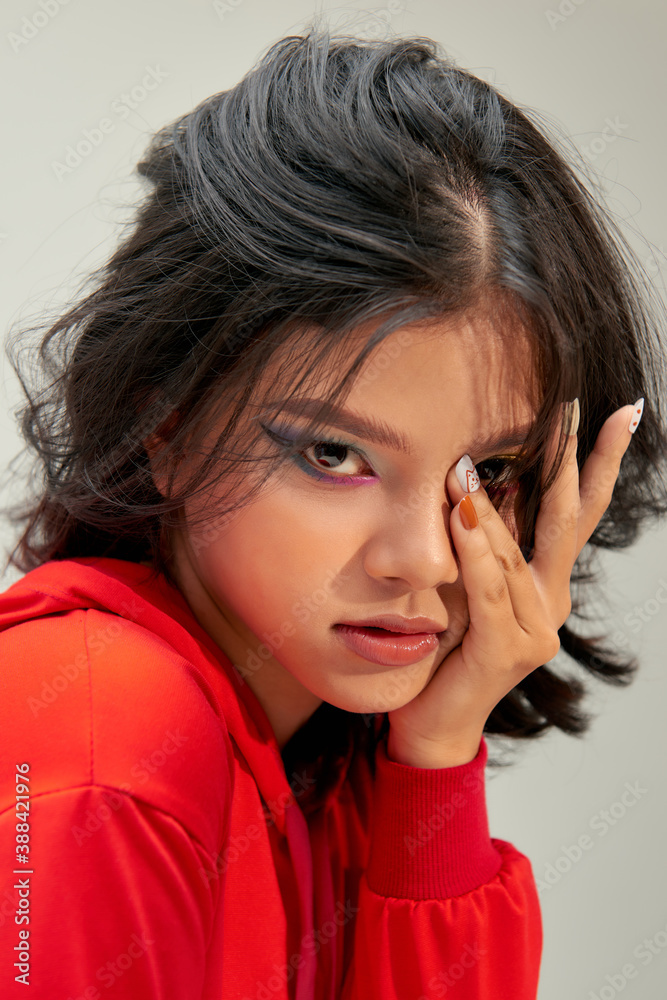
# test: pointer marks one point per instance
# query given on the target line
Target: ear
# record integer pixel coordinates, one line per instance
(154, 442)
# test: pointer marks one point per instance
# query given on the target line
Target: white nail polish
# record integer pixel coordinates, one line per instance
(571, 416)
(637, 411)
(467, 474)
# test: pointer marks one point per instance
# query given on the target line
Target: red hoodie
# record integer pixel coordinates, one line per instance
(153, 848)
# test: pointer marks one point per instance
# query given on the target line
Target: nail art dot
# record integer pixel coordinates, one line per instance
(636, 416)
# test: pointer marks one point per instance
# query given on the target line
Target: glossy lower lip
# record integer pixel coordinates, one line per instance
(388, 648)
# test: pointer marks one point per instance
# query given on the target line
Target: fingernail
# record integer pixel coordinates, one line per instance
(637, 411)
(467, 474)
(468, 513)
(571, 417)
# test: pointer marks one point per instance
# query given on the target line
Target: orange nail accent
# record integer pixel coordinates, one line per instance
(468, 513)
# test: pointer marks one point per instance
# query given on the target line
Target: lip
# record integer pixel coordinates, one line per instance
(397, 623)
(391, 649)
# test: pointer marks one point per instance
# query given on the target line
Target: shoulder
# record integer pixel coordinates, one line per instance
(91, 698)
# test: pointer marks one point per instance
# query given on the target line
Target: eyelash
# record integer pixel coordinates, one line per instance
(506, 488)
(286, 443)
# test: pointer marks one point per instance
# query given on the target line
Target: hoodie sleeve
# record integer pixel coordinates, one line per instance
(127, 791)
(444, 910)
(111, 901)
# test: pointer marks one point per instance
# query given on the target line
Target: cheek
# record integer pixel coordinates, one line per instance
(266, 558)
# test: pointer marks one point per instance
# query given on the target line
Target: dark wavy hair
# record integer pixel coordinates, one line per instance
(341, 182)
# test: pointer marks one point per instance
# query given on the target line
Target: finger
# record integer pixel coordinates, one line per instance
(600, 471)
(484, 581)
(499, 560)
(499, 584)
(557, 523)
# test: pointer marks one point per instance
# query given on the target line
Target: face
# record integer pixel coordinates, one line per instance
(354, 528)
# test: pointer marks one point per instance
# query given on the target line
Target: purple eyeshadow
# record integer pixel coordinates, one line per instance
(286, 438)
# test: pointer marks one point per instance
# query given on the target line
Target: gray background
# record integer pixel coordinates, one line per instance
(582, 65)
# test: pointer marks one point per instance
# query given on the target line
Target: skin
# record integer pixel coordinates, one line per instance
(347, 552)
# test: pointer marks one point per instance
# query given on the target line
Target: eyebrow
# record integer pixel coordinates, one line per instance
(381, 433)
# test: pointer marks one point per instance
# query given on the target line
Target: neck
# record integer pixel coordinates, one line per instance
(285, 701)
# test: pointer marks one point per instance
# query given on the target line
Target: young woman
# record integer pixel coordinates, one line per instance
(322, 453)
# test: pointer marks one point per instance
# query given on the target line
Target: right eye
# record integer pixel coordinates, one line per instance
(498, 473)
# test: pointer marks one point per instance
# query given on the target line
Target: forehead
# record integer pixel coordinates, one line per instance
(486, 355)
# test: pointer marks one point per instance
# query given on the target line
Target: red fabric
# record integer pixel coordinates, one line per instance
(170, 858)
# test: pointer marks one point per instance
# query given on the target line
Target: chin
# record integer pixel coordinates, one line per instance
(370, 694)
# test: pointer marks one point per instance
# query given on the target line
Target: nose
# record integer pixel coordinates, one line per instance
(413, 543)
